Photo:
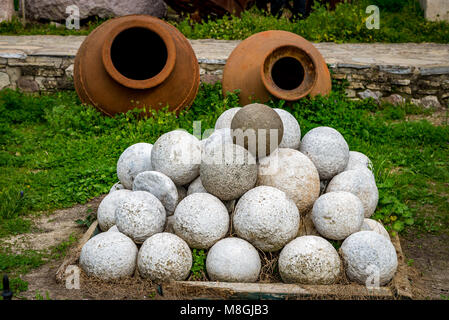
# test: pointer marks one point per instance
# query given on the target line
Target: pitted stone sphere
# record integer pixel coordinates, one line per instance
(368, 253)
(218, 137)
(225, 119)
(327, 149)
(201, 220)
(309, 260)
(359, 182)
(113, 229)
(134, 160)
(109, 255)
(163, 257)
(140, 216)
(266, 217)
(337, 215)
(292, 132)
(196, 187)
(177, 154)
(117, 186)
(358, 160)
(376, 226)
(292, 172)
(228, 172)
(107, 207)
(233, 260)
(159, 185)
(258, 128)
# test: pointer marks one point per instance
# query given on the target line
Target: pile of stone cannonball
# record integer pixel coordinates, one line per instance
(253, 185)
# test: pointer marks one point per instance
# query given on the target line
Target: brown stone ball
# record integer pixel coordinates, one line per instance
(257, 116)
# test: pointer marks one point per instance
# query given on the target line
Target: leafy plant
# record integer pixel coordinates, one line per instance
(198, 270)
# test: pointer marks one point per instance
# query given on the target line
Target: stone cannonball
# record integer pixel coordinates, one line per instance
(376, 226)
(292, 172)
(159, 185)
(228, 172)
(359, 182)
(337, 215)
(254, 126)
(292, 132)
(309, 260)
(218, 137)
(266, 217)
(140, 216)
(106, 209)
(367, 254)
(177, 154)
(233, 260)
(197, 187)
(109, 255)
(225, 119)
(358, 160)
(117, 186)
(201, 220)
(164, 256)
(327, 149)
(134, 160)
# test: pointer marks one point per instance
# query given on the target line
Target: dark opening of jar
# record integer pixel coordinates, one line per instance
(138, 53)
(287, 73)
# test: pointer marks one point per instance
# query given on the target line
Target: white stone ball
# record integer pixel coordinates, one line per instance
(109, 255)
(292, 172)
(266, 217)
(376, 226)
(358, 160)
(309, 260)
(225, 119)
(368, 254)
(113, 229)
(107, 207)
(327, 149)
(163, 257)
(228, 172)
(117, 186)
(359, 182)
(233, 260)
(218, 137)
(177, 154)
(196, 187)
(201, 220)
(140, 216)
(337, 215)
(159, 185)
(292, 132)
(134, 160)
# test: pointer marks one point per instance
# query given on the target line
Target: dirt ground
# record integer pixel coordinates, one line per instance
(427, 257)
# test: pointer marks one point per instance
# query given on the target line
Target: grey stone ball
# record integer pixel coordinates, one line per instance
(376, 226)
(201, 220)
(117, 186)
(177, 154)
(197, 187)
(107, 207)
(225, 119)
(229, 172)
(337, 215)
(109, 255)
(140, 216)
(159, 185)
(113, 229)
(327, 149)
(358, 160)
(253, 127)
(359, 182)
(292, 172)
(309, 260)
(233, 260)
(368, 254)
(266, 217)
(164, 257)
(292, 132)
(134, 160)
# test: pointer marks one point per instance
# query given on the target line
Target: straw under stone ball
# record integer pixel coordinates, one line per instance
(177, 154)
(107, 207)
(292, 132)
(225, 119)
(327, 149)
(134, 160)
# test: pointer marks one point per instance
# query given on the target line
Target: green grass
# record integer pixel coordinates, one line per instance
(400, 21)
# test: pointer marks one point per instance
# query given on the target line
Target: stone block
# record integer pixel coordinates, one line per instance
(401, 82)
(28, 84)
(356, 85)
(4, 80)
(435, 10)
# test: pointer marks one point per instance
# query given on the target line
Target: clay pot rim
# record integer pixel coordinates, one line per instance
(292, 51)
(154, 26)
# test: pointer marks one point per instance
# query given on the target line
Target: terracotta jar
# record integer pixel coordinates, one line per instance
(136, 61)
(276, 63)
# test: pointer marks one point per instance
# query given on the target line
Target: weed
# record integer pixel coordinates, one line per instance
(198, 269)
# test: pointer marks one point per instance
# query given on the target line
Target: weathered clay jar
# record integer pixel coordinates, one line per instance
(136, 61)
(277, 63)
